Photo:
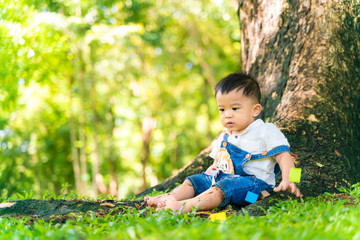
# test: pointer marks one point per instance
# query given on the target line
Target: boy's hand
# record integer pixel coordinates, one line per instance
(208, 171)
(287, 185)
(286, 162)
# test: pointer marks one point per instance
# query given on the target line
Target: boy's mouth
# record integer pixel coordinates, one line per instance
(229, 124)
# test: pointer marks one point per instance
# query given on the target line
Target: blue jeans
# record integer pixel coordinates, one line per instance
(234, 187)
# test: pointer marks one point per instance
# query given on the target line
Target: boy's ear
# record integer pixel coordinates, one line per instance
(256, 110)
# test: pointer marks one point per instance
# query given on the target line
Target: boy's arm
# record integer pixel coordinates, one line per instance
(286, 163)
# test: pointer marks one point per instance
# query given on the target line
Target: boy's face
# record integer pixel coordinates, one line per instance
(237, 111)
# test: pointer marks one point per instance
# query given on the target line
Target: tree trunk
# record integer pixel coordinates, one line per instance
(74, 150)
(306, 57)
(96, 184)
(148, 125)
(113, 185)
(82, 122)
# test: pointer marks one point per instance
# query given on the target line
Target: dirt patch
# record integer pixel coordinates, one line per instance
(348, 200)
(58, 211)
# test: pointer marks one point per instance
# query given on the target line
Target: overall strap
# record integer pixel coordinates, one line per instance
(226, 137)
(273, 152)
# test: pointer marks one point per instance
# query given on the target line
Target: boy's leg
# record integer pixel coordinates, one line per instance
(184, 191)
(236, 188)
(210, 199)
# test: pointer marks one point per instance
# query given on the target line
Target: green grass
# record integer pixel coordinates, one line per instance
(324, 217)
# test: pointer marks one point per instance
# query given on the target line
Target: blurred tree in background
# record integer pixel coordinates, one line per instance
(108, 96)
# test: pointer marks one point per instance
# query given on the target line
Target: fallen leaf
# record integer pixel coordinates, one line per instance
(337, 153)
(294, 155)
(107, 205)
(319, 164)
(5, 205)
(203, 212)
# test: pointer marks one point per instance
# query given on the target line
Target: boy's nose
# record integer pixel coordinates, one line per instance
(228, 113)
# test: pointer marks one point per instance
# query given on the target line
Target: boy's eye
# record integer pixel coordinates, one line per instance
(235, 108)
(221, 109)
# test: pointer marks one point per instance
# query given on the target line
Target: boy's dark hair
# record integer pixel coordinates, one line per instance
(239, 81)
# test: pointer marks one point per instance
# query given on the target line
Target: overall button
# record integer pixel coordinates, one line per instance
(264, 153)
(224, 144)
(248, 155)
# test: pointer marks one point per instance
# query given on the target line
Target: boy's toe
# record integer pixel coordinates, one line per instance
(160, 205)
(149, 201)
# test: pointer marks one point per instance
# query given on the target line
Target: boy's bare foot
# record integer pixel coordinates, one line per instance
(154, 201)
(173, 205)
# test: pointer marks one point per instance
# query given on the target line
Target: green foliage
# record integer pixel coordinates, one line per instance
(108, 65)
(322, 217)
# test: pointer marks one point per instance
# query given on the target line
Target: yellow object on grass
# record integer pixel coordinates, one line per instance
(218, 216)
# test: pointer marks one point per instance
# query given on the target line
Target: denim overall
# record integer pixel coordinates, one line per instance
(239, 156)
(235, 186)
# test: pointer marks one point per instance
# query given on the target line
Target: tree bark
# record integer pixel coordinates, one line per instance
(306, 57)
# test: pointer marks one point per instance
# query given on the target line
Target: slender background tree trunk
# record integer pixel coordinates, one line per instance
(82, 122)
(95, 154)
(148, 125)
(74, 150)
(113, 185)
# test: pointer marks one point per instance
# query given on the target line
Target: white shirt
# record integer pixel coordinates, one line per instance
(258, 137)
